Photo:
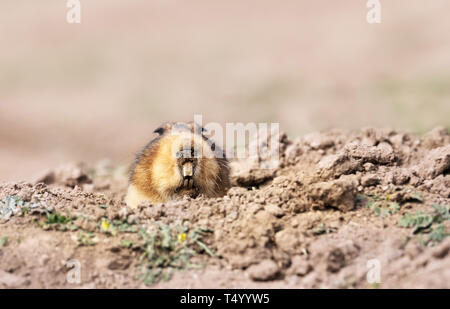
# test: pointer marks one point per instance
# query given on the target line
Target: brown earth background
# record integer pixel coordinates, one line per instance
(97, 90)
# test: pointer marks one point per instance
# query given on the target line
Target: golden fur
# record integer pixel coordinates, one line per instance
(157, 176)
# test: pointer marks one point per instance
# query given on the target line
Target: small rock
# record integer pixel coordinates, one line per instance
(154, 212)
(300, 266)
(442, 251)
(46, 177)
(370, 180)
(437, 137)
(9, 280)
(436, 162)
(369, 167)
(132, 219)
(288, 239)
(99, 213)
(401, 176)
(232, 216)
(275, 210)
(119, 264)
(264, 271)
(44, 259)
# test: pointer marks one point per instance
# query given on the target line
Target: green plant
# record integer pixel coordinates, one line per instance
(59, 222)
(113, 227)
(420, 221)
(429, 226)
(438, 234)
(441, 213)
(416, 196)
(382, 206)
(55, 218)
(13, 204)
(85, 239)
(168, 247)
(127, 243)
(3, 241)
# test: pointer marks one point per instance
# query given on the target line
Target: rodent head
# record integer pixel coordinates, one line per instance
(185, 164)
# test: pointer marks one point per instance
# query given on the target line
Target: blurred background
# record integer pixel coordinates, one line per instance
(95, 90)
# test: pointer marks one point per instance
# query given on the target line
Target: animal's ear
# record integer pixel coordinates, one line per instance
(159, 130)
(163, 128)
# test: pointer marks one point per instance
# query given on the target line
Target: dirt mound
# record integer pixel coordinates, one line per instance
(335, 204)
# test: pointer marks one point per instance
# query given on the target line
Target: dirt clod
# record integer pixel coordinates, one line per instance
(266, 270)
(332, 203)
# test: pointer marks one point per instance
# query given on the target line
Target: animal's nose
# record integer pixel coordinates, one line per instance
(188, 170)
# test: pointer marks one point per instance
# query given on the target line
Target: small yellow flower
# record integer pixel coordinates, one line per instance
(388, 197)
(181, 237)
(104, 224)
